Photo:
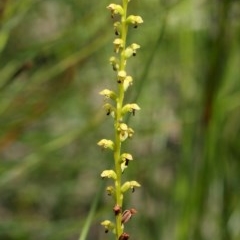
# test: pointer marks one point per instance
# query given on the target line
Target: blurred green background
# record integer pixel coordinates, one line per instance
(53, 63)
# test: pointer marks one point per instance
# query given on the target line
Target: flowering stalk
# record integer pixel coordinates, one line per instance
(118, 109)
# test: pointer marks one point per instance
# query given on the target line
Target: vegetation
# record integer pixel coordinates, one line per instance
(54, 62)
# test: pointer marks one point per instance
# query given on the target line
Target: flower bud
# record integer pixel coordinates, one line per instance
(125, 187)
(109, 109)
(117, 209)
(123, 127)
(131, 107)
(128, 52)
(110, 190)
(130, 132)
(127, 214)
(126, 157)
(130, 185)
(115, 63)
(105, 143)
(134, 47)
(123, 131)
(135, 20)
(115, 9)
(117, 28)
(124, 236)
(109, 174)
(124, 160)
(108, 94)
(118, 44)
(108, 225)
(131, 50)
(127, 82)
(121, 76)
(123, 167)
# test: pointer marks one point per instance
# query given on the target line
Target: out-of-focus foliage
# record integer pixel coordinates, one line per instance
(54, 61)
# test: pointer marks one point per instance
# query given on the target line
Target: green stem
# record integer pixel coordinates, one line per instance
(118, 119)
